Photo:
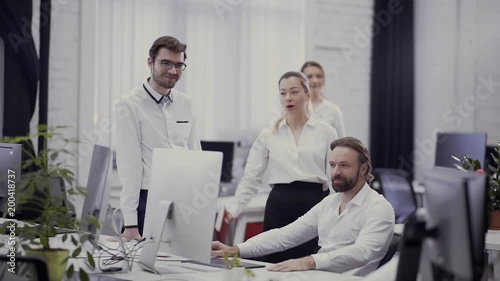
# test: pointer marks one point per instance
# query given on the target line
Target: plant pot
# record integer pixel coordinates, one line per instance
(494, 220)
(57, 260)
(233, 274)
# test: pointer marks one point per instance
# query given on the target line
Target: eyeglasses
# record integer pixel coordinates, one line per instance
(167, 65)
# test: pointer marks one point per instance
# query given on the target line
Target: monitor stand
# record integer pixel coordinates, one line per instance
(149, 252)
(151, 245)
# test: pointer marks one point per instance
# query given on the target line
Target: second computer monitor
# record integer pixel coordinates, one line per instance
(455, 203)
(459, 144)
(189, 181)
(96, 200)
(227, 149)
(10, 174)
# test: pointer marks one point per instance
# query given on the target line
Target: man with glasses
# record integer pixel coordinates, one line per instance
(153, 115)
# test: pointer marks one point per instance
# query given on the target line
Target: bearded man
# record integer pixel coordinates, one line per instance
(354, 225)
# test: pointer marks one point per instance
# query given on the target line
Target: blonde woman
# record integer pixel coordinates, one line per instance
(294, 153)
(323, 109)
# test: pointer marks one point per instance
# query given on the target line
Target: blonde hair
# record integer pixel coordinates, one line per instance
(307, 90)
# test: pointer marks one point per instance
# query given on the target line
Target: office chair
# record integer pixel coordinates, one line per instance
(395, 186)
(27, 268)
(393, 247)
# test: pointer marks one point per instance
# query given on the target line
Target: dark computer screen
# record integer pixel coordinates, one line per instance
(97, 194)
(459, 144)
(10, 172)
(227, 149)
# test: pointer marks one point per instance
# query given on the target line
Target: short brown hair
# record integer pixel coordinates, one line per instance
(358, 146)
(170, 43)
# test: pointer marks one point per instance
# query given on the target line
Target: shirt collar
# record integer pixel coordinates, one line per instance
(311, 122)
(157, 97)
(360, 197)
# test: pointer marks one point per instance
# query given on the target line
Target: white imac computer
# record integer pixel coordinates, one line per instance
(181, 206)
(10, 175)
(95, 205)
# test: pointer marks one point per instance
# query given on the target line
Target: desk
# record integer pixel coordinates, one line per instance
(261, 273)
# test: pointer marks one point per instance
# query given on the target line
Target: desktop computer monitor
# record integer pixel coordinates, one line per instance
(10, 173)
(459, 144)
(455, 203)
(227, 149)
(181, 206)
(477, 192)
(96, 200)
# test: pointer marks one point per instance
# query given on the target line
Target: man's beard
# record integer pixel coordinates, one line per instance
(348, 183)
(158, 79)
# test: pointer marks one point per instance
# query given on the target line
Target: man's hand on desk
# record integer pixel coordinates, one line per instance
(130, 234)
(218, 249)
(305, 263)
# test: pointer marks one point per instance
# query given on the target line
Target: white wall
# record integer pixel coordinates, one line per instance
(337, 37)
(456, 51)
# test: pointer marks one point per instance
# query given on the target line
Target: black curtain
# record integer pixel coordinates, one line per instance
(392, 85)
(21, 66)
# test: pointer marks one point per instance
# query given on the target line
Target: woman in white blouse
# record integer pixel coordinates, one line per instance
(323, 109)
(294, 153)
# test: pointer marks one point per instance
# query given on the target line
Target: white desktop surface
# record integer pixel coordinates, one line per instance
(492, 241)
(262, 274)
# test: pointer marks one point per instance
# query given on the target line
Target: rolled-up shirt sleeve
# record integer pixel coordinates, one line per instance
(129, 160)
(372, 240)
(298, 232)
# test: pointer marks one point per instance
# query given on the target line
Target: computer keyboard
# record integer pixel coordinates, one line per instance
(184, 268)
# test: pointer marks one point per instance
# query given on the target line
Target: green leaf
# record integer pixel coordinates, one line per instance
(70, 271)
(76, 252)
(73, 240)
(91, 260)
(64, 237)
(83, 275)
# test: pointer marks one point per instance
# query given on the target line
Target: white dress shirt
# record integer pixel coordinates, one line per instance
(145, 120)
(352, 242)
(331, 114)
(276, 153)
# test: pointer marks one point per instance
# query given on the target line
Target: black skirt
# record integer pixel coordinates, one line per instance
(285, 204)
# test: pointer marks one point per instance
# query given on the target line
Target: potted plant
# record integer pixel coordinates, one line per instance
(473, 165)
(234, 271)
(35, 193)
(494, 190)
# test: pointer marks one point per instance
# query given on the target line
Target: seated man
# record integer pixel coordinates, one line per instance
(354, 226)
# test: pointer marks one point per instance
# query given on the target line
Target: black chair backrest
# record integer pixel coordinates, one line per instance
(393, 247)
(396, 187)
